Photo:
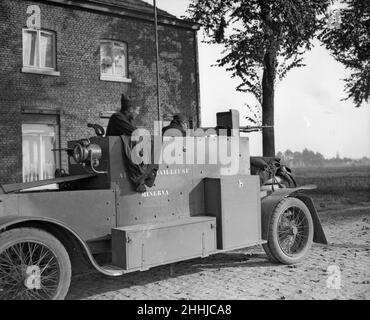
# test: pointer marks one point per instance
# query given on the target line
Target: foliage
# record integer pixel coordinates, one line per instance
(349, 43)
(254, 116)
(249, 29)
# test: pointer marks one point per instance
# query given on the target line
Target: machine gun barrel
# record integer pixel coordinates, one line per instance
(241, 129)
(62, 149)
(253, 128)
(68, 150)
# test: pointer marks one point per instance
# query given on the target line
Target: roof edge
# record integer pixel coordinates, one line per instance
(127, 12)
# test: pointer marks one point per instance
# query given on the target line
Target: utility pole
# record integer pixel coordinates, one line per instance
(157, 60)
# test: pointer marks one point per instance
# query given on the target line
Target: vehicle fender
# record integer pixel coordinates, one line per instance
(269, 203)
(76, 247)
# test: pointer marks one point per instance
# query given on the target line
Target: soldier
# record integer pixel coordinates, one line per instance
(120, 123)
(177, 127)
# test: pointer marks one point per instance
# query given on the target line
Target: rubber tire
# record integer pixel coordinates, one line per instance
(269, 253)
(272, 247)
(11, 237)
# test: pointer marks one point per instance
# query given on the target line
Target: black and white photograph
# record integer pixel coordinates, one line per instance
(193, 152)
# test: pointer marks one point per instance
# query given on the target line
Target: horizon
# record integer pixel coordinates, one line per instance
(337, 156)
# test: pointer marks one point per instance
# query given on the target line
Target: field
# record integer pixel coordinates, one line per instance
(337, 187)
(335, 179)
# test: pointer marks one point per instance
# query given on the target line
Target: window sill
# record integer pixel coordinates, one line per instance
(42, 71)
(115, 79)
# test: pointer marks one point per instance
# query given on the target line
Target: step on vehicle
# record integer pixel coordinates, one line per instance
(194, 209)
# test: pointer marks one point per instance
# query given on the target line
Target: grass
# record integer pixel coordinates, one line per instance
(337, 187)
(335, 180)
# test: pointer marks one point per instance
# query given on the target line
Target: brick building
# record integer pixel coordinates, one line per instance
(73, 67)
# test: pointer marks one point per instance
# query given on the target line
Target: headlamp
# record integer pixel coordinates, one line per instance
(87, 153)
(84, 152)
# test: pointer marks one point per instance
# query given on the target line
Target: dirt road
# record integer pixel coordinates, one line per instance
(247, 274)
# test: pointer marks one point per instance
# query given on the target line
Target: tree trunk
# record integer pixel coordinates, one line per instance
(268, 93)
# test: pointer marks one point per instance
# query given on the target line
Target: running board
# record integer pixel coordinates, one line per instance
(111, 270)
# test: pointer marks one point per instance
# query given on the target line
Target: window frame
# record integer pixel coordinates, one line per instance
(114, 77)
(38, 69)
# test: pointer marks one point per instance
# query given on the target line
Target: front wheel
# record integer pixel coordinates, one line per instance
(290, 232)
(34, 265)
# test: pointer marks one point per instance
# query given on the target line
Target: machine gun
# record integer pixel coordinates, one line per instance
(230, 121)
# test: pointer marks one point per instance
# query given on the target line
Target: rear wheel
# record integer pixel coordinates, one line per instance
(34, 265)
(290, 232)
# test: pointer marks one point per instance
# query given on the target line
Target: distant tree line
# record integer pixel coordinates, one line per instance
(308, 158)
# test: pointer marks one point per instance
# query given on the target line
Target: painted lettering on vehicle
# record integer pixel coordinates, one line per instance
(155, 193)
(176, 171)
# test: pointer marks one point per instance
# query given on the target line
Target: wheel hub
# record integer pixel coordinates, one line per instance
(294, 230)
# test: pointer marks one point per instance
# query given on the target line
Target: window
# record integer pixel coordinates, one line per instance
(40, 134)
(113, 61)
(39, 54)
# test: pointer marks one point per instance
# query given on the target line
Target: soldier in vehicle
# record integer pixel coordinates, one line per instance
(177, 127)
(120, 123)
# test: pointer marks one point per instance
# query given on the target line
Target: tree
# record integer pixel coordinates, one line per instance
(297, 159)
(263, 40)
(280, 155)
(349, 43)
(288, 154)
(319, 159)
(306, 156)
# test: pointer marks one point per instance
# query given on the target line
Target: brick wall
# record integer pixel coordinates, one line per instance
(78, 93)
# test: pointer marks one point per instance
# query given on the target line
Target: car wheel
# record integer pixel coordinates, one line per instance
(34, 265)
(290, 232)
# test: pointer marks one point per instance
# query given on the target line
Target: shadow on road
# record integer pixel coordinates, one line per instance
(348, 245)
(95, 283)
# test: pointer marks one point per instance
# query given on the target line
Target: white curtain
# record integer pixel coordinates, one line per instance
(39, 162)
(30, 48)
(120, 59)
(106, 57)
(46, 48)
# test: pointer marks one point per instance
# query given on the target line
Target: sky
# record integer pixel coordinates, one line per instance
(309, 112)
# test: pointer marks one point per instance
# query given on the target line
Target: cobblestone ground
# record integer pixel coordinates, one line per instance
(247, 274)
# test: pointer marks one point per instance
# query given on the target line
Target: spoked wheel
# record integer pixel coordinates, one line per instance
(34, 265)
(290, 232)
